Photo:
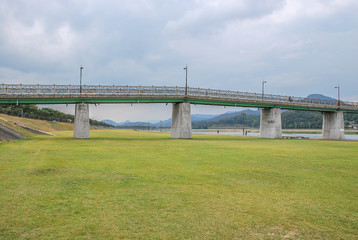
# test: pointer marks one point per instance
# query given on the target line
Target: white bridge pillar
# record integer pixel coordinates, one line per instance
(82, 126)
(333, 125)
(181, 121)
(270, 123)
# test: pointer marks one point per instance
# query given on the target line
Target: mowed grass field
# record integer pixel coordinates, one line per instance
(139, 185)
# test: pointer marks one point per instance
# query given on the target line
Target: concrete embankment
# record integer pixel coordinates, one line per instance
(11, 130)
(9, 134)
(33, 130)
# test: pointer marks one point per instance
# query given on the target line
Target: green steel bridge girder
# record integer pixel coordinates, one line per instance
(86, 100)
(167, 100)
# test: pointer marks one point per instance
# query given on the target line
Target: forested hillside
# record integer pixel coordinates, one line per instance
(301, 119)
(252, 121)
(290, 120)
(34, 112)
(312, 120)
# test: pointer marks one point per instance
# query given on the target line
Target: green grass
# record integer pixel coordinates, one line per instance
(138, 185)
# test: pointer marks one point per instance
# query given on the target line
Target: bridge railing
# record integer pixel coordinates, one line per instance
(24, 90)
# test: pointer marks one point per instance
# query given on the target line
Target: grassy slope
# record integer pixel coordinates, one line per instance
(46, 126)
(42, 125)
(133, 185)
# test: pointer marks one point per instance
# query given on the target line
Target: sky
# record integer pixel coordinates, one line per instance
(298, 47)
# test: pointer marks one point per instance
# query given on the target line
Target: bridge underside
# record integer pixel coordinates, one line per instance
(270, 122)
(181, 121)
(168, 99)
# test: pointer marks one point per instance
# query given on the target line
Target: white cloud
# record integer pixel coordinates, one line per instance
(298, 46)
(245, 32)
(34, 41)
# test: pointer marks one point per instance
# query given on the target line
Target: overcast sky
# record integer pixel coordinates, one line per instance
(298, 46)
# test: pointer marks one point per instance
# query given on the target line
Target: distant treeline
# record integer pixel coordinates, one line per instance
(34, 112)
(290, 120)
(301, 119)
(313, 120)
(251, 121)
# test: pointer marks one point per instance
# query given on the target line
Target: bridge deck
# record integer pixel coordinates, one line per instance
(67, 94)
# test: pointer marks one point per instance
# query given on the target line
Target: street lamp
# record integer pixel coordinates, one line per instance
(186, 79)
(243, 123)
(263, 89)
(339, 95)
(81, 68)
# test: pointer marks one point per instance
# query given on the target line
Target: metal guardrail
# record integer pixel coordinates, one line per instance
(87, 91)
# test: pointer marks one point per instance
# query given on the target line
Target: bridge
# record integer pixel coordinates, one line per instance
(271, 105)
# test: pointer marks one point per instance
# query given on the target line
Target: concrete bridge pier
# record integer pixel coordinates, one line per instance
(270, 123)
(333, 125)
(181, 121)
(82, 126)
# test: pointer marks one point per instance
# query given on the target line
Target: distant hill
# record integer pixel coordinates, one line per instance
(234, 114)
(168, 122)
(165, 123)
(231, 120)
(320, 96)
(301, 119)
(201, 117)
(127, 123)
(194, 118)
(110, 122)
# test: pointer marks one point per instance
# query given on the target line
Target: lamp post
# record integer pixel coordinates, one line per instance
(243, 123)
(263, 89)
(81, 68)
(339, 95)
(186, 80)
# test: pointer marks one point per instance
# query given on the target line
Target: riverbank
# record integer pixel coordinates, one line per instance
(255, 130)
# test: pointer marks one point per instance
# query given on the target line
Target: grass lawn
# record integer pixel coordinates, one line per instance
(139, 185)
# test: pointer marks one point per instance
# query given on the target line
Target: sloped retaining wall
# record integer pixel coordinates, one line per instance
(9, 134)
(36, 131)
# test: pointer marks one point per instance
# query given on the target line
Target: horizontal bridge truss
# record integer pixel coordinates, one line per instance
(96, 94)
